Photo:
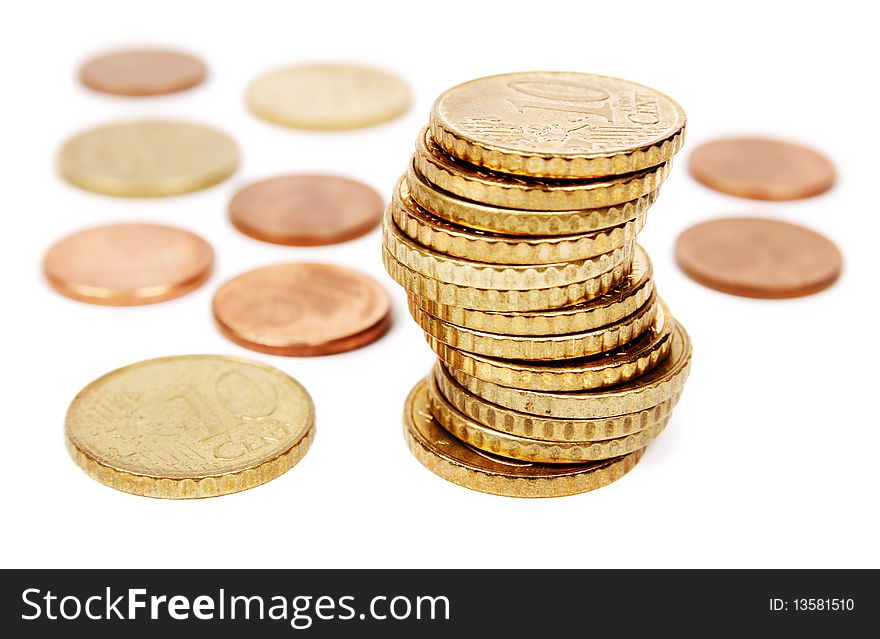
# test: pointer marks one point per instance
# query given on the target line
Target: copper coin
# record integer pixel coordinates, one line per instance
(761, 169)
(128, 264)
(302, 309)
(306, 210)
(756, 257)
(141, 72)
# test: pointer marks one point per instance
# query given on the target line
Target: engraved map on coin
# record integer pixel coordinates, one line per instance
(189, 417)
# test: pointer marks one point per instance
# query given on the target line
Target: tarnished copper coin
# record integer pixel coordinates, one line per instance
(306, 210)
(762, 169)
(302, 309)
(140, 72)
(128, 264)
(756, 257)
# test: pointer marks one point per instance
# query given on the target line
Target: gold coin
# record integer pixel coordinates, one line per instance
(607, 369)
(476, 215)
(328, 96)
(664, 381)
(444, 293)
(550, 429)
(622, 301)
(516, 277)
(441, 236)
(532, 194)
(537, 347)
(509, 446)
(149, 158)
(559, 125)
(459, 463)
(190, 426)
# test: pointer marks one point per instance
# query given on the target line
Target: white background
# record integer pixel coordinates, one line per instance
(770, 457)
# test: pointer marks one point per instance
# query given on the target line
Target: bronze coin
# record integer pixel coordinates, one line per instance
(306, 210)
(141, 72)
(128, 264)
(761, 169)
(755, 257)
(302, 309)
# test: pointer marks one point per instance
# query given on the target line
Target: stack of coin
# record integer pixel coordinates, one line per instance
(513, 233)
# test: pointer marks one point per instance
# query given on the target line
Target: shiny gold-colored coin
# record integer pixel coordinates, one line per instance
(493, 219)
(446, 294)
(658, 385)
(622, 301)
(532, 194)
(459, 463)
(560, 125)
(149, 158)
(549, 429)
(441, 236)
(537, 347)
(190, 426)
(509, 446)
(608, 369)
(517, 277)
(328, 96)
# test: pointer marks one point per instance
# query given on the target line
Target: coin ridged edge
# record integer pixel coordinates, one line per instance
(554, 166)
(193, 487)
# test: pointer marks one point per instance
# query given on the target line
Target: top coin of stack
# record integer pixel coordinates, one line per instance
(513, 233)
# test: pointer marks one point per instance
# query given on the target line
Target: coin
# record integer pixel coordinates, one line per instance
(140, 72)
(447, 294)
(664, 381)
(457, 462)
(190, 426)
(619, 302)
(149, 158)
(519, 277)
(328, 96)
(128, 264)
(441, 236)
(537, 347)
(532, 194)
(607, 369)
(756, 257)
(302, 309)
(306, 210)
(762, 169)
(509, 446)
(561, 125)
(551, 429)
(476, 215)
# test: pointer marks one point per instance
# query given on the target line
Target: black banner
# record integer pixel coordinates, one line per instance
(427, 603)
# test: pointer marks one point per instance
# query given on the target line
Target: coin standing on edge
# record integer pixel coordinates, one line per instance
(190, 426)
(302, 309)
(306, 210)
(142, 72)
(149, 158)
(453, 460)
(756, 257)
(328, 96)
(558, 124)
(128, 264)
(761, 169)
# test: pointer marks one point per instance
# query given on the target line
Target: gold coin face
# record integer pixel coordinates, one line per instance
(190, 426)
(150, 158)
(328, 96)
(555, 124)
(462, 464)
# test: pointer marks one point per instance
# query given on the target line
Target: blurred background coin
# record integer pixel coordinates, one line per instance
(148, 158)
(128, 264)
(328, 96)
(142, 72)
(306, 210)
